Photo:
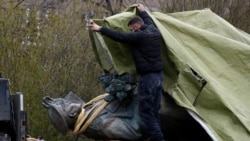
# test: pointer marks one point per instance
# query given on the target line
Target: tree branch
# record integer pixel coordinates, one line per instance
(18, 3)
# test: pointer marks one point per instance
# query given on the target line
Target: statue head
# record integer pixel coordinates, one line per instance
(63, 112)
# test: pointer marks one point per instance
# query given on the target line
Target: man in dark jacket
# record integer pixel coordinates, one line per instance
(145, 41)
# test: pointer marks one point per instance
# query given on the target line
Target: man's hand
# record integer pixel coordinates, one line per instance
(95, 27)
(140, 7)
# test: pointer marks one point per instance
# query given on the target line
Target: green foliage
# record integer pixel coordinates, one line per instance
(52, 59)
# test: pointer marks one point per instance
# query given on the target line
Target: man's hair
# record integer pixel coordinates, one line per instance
(135, 19)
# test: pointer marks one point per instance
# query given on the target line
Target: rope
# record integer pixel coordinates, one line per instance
(82, 123)
(31, 139)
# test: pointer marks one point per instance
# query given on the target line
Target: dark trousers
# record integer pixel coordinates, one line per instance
(149, 104)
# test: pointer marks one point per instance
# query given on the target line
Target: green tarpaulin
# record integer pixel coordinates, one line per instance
(199, 49)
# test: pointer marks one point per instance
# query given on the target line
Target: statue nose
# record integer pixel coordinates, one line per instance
(47, 102)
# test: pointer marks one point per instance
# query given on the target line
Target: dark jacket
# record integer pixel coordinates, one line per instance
(145, 43)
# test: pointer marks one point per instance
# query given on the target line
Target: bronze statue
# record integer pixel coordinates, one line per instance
(118, 118)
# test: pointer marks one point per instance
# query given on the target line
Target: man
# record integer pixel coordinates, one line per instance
(145, 41)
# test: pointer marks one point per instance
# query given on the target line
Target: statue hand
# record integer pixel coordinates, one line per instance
(109, 98)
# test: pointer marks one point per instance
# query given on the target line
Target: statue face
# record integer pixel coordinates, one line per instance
(63, 112)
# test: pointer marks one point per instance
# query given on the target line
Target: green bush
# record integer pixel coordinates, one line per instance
(52, 60)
